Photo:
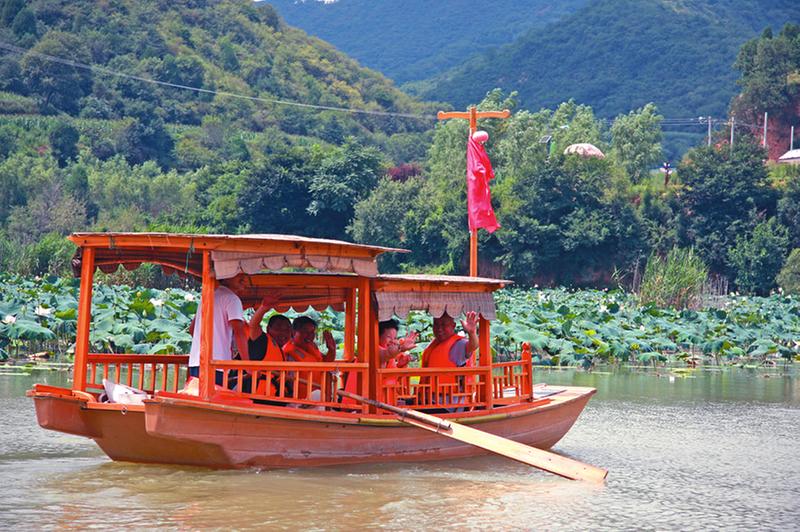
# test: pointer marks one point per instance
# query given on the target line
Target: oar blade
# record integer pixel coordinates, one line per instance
(548, 461)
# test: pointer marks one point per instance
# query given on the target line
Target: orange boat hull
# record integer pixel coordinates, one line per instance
(187, 431)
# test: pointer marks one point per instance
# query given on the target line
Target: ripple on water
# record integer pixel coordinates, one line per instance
(687, 457)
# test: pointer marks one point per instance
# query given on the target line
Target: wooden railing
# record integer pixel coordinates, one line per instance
(456, 388)
(310, 384)
(511, 382)
(304, 384)
(450, 388)
(150, 373)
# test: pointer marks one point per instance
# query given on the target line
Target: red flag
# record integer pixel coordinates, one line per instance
(479, 198)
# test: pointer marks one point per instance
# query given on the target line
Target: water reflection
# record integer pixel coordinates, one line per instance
(714, 450)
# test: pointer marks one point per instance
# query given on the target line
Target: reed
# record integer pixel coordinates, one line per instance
(675, 280)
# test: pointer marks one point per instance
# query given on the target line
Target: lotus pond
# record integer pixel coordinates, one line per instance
(585, 328)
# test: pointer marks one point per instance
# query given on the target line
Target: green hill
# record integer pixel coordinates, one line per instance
(411, 40)
(617, 55)
(234, 46)
(98, 130)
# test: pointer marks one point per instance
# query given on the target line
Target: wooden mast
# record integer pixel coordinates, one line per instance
(473, 115)
(485, 349)
(84, 319)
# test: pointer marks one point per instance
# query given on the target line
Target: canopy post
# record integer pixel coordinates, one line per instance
(486, 360)
(374, 354)
(350, 325)
(84, 319)
(207, 328)
(365, 331)
(527, 359)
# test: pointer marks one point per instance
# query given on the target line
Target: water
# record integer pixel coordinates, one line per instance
(718, 450)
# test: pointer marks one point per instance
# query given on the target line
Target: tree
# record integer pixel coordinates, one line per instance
(345, 176)
(636, 141)
(789, 277)
(276, 196)
(57, 85)
(766, 63)
(724, 193)
(10, 10)
(757, 259)
(227, 52)
(789, 210)
(64, 142)
(560, 226)
(8, 141)
(382, 218)
(571, 124)
(24, 23)
(51, 211)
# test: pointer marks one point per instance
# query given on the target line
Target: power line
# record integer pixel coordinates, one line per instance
(107, 71)
(676, 122)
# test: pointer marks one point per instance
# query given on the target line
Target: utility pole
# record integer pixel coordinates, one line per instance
(791, 140)
(709, 131)
(733, 121)
(473, 115)
(764, 139)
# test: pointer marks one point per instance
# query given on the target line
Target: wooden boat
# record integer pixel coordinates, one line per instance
(286, 426)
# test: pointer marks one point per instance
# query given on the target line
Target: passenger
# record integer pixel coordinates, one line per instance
(392, 355)
(391, 350)
(279, 332)
(268, 346)
(229, 326)
(450, 350)
(303, 348)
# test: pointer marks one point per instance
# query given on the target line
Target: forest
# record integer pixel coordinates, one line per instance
(82, 149)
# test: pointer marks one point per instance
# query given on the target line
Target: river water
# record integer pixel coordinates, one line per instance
(718, 450)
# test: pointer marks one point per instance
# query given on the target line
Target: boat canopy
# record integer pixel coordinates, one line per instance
(435, 294)
(394, 295)
(230, 254)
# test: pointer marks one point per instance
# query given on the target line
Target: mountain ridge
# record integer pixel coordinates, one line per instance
(444, 32)
(617, 69)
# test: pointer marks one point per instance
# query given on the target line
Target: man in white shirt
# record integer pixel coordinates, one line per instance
(229, 325)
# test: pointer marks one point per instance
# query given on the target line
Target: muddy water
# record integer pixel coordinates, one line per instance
(719, 450)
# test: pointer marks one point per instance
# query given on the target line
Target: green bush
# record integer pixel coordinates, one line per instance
(758, 259)
(673, 281)
(52, 255)
(789, 277)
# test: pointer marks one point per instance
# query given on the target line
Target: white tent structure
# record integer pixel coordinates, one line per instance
(584, 149)
(790, 157)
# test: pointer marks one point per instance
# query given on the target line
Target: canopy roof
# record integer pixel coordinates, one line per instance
(397, 295)
(231, 254)
(394, 294)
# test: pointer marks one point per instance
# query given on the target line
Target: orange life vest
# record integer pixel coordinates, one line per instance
(307, 353)
(391, 383)
(274, 354)
(437, 355)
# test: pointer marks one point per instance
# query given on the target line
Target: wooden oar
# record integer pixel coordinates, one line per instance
(554, 463)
